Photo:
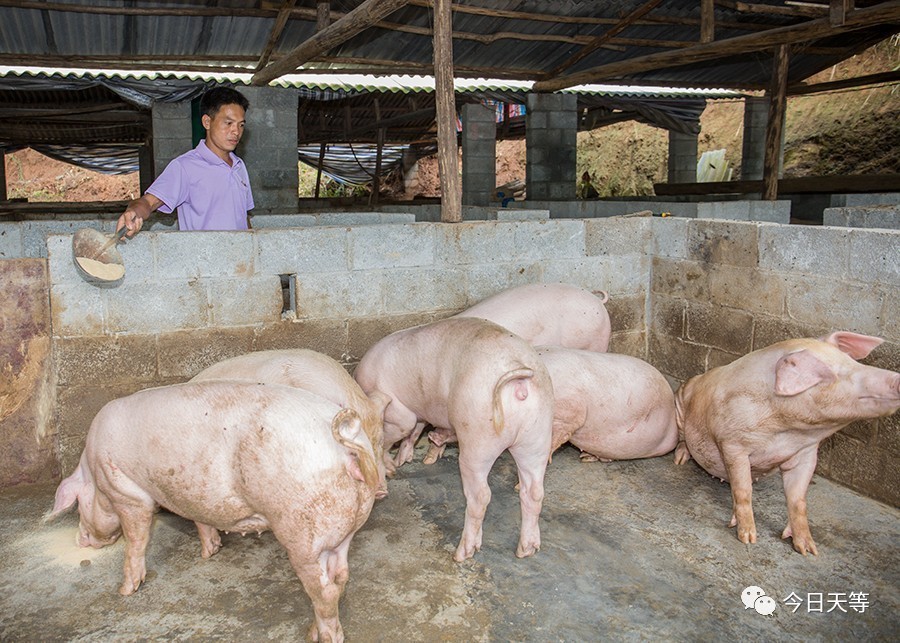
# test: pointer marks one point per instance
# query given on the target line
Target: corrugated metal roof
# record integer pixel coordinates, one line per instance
(517, 39)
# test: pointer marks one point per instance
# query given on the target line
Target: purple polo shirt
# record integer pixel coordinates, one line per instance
(209, 193)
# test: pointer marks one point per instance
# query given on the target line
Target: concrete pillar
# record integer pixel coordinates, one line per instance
(682, 157)
(479, 154)
(269, 148)
(171, 134)
(551, 139)
(753, 151)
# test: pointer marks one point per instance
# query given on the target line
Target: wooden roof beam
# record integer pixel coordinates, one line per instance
(845, 83)
(361, 18)
(806, 10)
(283, 14)
(884, 13)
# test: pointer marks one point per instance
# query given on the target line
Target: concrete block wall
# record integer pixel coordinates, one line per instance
(721, 289)
(20, 239)
(190, 299)
(27, 381)
(884, 216)
(685, 294)
(743, 210)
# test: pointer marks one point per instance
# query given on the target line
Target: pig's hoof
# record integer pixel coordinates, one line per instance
(465, 552)
(524, 551)
(434, 454)
(587, 457)
(210, 549)
(803, 543)
(747, 536)
(682, 455)
(129, 587)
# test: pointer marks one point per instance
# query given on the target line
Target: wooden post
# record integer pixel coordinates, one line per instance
(376, 182)
(838, 10)
(775, 125)
(323, 15)
(3, 174)
(707, 21)
(379, 148)
(445, 107)
(319, 168)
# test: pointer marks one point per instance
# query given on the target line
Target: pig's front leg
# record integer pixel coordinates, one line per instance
(795, 475)
(210, 541)
(136, 522)
(737, 465)
(408, 445)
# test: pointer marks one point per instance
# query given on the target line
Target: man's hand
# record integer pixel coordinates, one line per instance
(136, 212)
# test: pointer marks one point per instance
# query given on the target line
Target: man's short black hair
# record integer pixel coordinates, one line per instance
(216, 97)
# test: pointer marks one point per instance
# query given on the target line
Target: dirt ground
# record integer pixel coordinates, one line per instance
(842, 132)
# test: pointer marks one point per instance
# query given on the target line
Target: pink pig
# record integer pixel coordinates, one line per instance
(314, 372)
(549, 314)
(610, 406)
(771, 408)
(488, 386)
(233, 456)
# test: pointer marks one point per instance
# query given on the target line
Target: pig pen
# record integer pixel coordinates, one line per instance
(631, 550)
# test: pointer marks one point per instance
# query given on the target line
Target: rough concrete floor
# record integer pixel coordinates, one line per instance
(631, 551)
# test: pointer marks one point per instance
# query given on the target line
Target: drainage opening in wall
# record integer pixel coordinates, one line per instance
(288, 296)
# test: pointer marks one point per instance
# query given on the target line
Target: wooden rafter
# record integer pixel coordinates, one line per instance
(284, 13)
(799, 11)
(886, 12)
(859, 81)
(364, 16)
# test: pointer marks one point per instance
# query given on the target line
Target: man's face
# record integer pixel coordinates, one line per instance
(224, 129)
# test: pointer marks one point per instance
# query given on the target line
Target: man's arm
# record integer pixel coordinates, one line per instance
(136, 212)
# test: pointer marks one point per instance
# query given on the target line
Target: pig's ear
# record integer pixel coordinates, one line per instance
(800, 371)
(855, 345)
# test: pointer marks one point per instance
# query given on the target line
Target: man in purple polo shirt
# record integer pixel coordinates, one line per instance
(209, 184)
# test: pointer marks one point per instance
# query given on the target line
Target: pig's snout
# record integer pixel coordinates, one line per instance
(86, 539)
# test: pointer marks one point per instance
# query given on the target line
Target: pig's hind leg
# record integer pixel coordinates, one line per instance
(474, 466)
(531, 461)
(324, 577)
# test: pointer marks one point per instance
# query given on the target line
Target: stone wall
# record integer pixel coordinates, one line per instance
(27, 425)
(191, 299)
(685, 294)
(883, 216)
(722, 289)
